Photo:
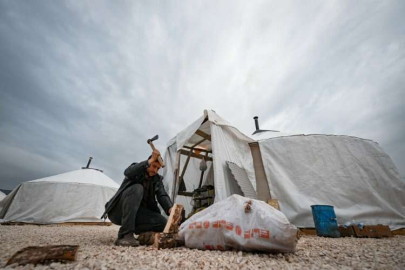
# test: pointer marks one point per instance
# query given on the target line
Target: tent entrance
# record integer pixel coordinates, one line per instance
(196, 151)
(192, 153)
(193, 175)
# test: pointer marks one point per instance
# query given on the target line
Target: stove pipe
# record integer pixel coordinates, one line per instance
(88, 163)
(256, 122)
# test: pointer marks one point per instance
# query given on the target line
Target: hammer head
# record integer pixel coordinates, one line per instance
(153, 139)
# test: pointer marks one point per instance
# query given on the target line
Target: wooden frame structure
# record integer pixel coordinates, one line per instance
(189, 152)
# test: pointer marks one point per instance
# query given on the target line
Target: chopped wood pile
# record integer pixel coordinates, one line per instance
(167, 239)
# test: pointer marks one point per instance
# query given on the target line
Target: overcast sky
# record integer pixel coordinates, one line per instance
(97, 78)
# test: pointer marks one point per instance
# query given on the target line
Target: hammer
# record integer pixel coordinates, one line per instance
(150, 142)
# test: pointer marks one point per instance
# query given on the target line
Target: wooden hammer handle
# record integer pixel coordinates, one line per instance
(159, 157)
(152, 146)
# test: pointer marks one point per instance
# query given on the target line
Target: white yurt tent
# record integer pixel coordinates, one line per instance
(2, 196)
(220, 144)
(352, 174)
(77, 196)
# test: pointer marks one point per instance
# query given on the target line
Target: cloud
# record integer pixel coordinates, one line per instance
(82, 79)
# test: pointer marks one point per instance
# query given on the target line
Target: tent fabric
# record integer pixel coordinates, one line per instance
(242, 179)
(354, 175)
(83, 176)
(2, 196)
(77, 196)
(227, 144)
(272, 134)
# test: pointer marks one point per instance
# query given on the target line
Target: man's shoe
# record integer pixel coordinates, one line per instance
(127, 241)
(147, 238)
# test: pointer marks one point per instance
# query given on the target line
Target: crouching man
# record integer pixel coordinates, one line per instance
(134, 206)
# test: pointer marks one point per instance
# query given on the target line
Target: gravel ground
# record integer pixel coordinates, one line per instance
(98, 252)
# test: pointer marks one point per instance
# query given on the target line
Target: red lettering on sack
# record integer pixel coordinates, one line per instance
(198, 225)
(247, 234)
(255, 233)
(209, 247)
(222, 223)
(229, 226)
(238, 230)
(265, 234)
(215, 224)
(206, 224)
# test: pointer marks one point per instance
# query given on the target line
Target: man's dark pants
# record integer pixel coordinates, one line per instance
(132, 216)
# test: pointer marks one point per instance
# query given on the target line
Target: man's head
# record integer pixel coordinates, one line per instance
(153, 168)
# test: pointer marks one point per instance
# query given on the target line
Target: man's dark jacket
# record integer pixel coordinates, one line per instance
(135, 174)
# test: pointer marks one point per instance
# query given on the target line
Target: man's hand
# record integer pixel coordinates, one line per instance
(154, 156)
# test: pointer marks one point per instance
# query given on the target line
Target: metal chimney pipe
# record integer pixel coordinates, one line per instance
(88, 163)
(256, 122)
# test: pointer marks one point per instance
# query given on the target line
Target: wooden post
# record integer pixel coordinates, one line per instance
(176, 176)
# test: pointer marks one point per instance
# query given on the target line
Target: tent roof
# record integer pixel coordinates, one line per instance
(2, 195)
(276, 134)
(83, 176)
(188, 136)
(272, 134)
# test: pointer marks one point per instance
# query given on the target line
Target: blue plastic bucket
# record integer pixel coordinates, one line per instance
(325, 220)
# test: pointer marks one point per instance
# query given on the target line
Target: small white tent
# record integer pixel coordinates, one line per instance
(218, 142)
(352, 174)
(2, 196)
(77, 196)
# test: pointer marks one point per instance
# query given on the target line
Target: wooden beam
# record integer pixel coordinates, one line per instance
(185, 193)
(203, 134)
(185, 167)
(198, 149)
(194, 155)
(176, 177)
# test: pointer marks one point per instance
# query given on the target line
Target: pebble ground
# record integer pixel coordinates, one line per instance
(98, 252)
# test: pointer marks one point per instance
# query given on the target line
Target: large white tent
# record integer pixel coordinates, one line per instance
(352, 174)
(219, 142)
(77, 196)
(2, 196)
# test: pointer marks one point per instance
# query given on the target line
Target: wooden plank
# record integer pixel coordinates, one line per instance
(308, 231)
(185, 193)
(194, 155)
(35, 254)
(176, 179)
(262, 185)
(185, 166)
(203, 134)
(172, 225)
(346, 231)
(398, 232)
(372, 231)
(198, 149)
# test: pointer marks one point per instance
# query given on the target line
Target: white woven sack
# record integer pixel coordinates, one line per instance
(239, 223)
